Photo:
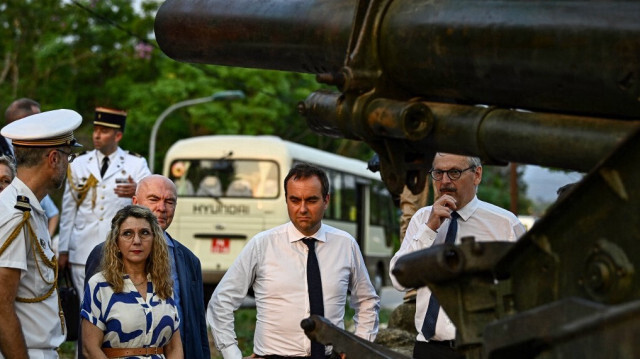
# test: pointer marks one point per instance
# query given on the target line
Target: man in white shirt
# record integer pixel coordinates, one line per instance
(279, 265)
(455, 179)
(32, 320)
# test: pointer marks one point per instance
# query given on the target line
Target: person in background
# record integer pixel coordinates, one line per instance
(298, 269)
(53, 214)
(128, 308)
(17, 110)
(409, 204)
(456, 213)
(7, 171)
(32, 319)
(158, 193)
(100, 182)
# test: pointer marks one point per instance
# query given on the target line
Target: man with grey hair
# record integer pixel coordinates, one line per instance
(17, 110)
(33, 322)
(457, 212)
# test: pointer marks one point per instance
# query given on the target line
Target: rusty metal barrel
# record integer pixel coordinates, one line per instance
(579, 57)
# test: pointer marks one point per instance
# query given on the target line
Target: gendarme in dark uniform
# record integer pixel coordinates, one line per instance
(33, 325)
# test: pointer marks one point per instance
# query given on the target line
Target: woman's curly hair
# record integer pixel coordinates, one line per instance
(157, 267)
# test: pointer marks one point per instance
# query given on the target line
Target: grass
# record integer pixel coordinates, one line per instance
(245, 323)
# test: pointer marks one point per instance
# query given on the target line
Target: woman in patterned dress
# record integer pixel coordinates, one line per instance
(128, 310)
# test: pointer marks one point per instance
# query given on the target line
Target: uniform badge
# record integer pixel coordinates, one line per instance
(43, 244)
(22, 203)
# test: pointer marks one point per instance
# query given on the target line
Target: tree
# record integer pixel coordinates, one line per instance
(80, 54)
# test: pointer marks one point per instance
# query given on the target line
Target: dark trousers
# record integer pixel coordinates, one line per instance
(435, 350)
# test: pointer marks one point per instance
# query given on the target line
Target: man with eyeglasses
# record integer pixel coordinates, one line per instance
(32, 319)
(99, 183)
(18, 110)
(457, 212)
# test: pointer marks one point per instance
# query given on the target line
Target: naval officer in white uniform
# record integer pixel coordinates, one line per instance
(32, 319)
(99, 183)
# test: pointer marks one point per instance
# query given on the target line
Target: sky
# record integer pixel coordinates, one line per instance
(543, 183)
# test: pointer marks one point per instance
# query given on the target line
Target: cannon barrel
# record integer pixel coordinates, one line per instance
(553, 83)
(578, 57)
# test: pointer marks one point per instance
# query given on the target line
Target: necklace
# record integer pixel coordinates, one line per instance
(137, 284)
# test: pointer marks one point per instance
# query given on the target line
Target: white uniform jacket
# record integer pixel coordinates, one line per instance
(84, 226)
(40, 321)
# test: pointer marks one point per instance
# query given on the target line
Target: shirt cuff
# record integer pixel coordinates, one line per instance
(425, 235)
(231, 352)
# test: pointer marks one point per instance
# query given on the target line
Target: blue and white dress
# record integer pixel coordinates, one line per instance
(127, 320)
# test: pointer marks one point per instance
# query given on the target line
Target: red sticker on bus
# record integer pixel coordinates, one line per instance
(221, 246)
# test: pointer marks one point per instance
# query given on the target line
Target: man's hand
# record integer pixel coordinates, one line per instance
(440, 211)
(63, 260)
(126, 189)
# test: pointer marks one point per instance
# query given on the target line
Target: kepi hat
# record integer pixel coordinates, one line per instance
(45, 129)
(111, 118)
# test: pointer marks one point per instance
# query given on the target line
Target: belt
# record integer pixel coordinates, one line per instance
(280, 357)
(127, 352)
(447, 343)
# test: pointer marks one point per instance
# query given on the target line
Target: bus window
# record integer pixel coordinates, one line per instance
(225, 178)
(335, 186)
(349, 198)
(384, 213)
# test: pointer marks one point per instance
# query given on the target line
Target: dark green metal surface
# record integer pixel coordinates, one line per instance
(552, 83)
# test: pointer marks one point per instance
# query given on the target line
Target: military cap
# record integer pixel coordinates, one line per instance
(45, 129)
(109, 117)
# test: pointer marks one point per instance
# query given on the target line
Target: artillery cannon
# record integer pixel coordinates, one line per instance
(559, 85)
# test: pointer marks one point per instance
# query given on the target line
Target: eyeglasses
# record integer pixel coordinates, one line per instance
(70, 155)
(144, 234)
(4, 183)
(453, 173)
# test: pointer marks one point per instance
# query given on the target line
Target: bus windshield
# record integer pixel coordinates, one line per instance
(225, 178)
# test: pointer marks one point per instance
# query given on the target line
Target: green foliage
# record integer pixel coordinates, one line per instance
(80, 54)
(495, 186)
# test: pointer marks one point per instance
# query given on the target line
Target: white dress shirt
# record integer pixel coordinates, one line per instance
(274, 263)
(479, 219)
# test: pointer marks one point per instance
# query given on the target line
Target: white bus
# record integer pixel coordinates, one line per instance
(231, 187)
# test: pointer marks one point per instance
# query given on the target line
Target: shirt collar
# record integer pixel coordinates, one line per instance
(168, 239)
(468, 210)
(112, 157)
(293, 234)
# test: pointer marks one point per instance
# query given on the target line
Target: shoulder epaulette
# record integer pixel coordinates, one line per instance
(23, 203)
(134, 154)
(83, 153)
